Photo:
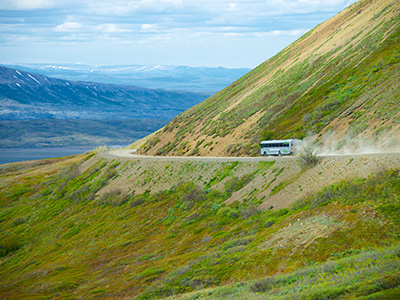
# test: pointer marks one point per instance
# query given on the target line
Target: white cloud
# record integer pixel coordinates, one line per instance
(233, 7)
(126, 7)
(267, 34)
(306, 6)
(113, 28)
(69, 27)
(38, 4)
(23, 39)
(279, 33)
(88, 31)
(26, 4)
(148, 27)
(233, 34)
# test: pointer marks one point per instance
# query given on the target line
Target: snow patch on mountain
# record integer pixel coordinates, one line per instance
(34, 78)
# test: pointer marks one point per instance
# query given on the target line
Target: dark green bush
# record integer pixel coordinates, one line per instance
(263, 285)
(137, 201)
(194, 195)
(268, 135)
(9, 244)
(237, 242)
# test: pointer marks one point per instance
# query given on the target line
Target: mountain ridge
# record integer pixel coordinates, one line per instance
(208, 80)
(32, 96)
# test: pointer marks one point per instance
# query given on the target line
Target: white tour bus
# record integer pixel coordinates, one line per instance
(279, 147)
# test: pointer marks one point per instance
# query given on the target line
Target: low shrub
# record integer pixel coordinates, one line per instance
(307, 156)
(193, 196)
(137, 201)
(249, 212)
(237, 242)
(263, 285)
(9, 244)
(113, 198)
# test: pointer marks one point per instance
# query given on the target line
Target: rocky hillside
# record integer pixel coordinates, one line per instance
(337, 83)
(25, 95)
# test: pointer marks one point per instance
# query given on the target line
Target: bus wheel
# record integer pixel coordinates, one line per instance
(279, 153)
(265, 154)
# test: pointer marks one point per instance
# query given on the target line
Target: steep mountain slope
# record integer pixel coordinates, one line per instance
(340, 81)
(30, 96)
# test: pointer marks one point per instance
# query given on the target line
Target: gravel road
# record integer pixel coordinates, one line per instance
(131, 154)
(141, 173)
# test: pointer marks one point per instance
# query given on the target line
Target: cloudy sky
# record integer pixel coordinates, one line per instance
(229, 33)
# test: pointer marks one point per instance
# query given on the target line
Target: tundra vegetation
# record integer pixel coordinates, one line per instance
(62, 238)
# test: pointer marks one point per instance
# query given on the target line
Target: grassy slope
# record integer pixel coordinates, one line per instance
(342, 77)
(61, 240)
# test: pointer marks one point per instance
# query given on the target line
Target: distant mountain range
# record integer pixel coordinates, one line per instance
(29, 96)
(199, 79)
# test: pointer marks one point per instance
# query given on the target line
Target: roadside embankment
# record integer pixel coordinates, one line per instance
(272, 182)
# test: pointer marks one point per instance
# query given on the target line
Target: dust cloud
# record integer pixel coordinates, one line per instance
(331, 144)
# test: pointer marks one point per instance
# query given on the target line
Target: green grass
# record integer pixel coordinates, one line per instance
(222, 174)
(61, 238)
(370, 275)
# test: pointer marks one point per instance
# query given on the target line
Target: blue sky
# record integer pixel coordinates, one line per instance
(224, 33)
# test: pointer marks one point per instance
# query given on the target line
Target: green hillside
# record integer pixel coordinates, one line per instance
(339, 81)
(69, 232)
